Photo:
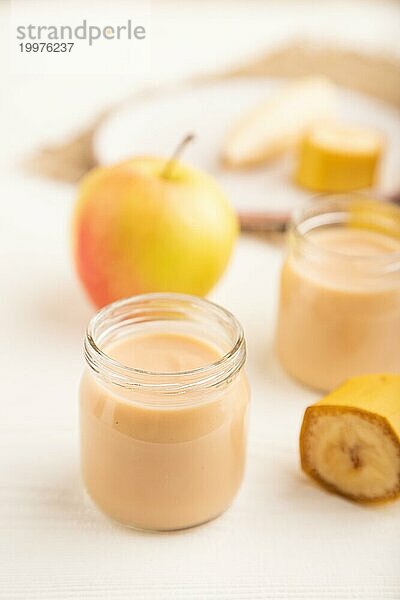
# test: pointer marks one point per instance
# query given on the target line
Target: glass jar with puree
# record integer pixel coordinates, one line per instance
(163, 405)
(339, 310)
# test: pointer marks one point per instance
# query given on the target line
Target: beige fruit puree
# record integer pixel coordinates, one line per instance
(163, 447)
(339, 313)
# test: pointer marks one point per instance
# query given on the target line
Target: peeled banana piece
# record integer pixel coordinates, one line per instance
(278, 123)
(350, 440)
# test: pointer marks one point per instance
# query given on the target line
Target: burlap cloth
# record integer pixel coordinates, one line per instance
(378, 76)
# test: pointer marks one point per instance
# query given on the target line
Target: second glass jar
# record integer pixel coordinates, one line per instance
(339, 310)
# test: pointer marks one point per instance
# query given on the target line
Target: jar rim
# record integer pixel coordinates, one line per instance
(209, 375)
(360, 205)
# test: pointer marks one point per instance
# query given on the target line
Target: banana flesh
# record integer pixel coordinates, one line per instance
(276, 124)
(350, 440)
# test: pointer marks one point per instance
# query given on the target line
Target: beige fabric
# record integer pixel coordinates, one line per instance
(373, 75)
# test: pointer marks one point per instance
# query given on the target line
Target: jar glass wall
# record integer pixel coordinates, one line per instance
(163, 450)
(339, 307)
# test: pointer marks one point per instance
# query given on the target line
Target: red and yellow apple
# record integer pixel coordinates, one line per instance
(139, 227)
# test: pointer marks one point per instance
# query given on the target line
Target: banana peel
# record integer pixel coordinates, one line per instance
(350, 440)
(336, 157)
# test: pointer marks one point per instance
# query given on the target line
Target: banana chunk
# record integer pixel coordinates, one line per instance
(278, 123)
(350, 440)
(335, 157)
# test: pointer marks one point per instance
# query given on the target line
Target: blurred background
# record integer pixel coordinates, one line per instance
(186, 38)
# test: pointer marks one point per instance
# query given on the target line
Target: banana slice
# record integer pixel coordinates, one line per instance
(278, 123)
(336, 157)
(350, 440)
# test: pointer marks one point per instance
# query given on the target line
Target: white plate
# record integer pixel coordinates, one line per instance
(155, 124)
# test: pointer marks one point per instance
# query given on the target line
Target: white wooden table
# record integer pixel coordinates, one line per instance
(283, 538)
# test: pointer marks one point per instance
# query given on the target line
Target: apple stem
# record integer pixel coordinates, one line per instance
(170, 164)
